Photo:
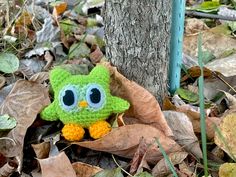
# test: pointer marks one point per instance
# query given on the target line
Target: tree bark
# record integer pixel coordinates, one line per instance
(137, 34)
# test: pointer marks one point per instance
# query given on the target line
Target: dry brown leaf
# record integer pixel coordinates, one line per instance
(194, 25)
(144, 105)
(40, 77)
(139, 156)
(162, 169)
(7, 169)
(41, 150)
(96, 55)
(59, 9)
(231, 100)
(2, 81)
(85, 170)
(227, 139)
(209, 43)
(194, 118)
(183, 132)
(58, 166)
(24, 102)
(185, 169)
(124, 141)
(49, 59)
(4, 92)
(212, 86)
(195, 71)
(25, 19)
(227, 170)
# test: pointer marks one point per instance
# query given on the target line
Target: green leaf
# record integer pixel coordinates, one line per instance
(9, 63)
(187, 95)
(232, 26)
(207, 6)
(143, 174)
(79, 50)
(207, 56)
(68, 26)
(110, 173)
(7, 122)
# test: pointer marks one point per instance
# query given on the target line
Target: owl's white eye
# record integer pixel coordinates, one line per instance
(68, 97)
(95, 96)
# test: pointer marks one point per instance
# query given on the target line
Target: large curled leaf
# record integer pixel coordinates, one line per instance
(124, 141)
(24, 102)
(7, 122)
(9, 63)
(144, 106)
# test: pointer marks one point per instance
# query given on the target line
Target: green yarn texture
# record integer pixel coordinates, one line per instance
(81, 85)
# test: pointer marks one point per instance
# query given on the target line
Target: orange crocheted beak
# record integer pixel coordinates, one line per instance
(83, 104)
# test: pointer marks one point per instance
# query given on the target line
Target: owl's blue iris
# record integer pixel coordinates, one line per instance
(68, 97)
(95, 96)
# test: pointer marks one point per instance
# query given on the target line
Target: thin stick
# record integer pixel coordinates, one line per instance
(120, 166)
(206, 15)
(225, 82)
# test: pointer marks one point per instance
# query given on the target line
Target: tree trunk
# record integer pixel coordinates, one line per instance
(137, 34)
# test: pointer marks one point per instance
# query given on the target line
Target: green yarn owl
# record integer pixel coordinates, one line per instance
(82, 101)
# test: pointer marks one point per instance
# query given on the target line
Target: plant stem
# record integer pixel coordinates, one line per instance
(202, 110)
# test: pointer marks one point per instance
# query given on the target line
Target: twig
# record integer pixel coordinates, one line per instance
(224, 81)
(206, 15)
(120, 166)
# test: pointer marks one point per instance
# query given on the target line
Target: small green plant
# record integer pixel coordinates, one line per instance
(202, 110)
(169, 163)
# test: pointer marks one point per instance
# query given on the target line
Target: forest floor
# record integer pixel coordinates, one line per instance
(148, 139)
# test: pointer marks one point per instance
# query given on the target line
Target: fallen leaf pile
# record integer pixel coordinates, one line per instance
(40, 35)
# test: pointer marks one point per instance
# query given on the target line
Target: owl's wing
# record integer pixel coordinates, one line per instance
(119, 105)
(49, 113)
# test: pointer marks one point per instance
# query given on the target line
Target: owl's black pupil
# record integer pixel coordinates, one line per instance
(95, 95)
(68, 98)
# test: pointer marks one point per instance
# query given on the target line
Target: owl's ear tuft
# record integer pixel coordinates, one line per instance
(119, 105)
(57, 76)
(100, 72)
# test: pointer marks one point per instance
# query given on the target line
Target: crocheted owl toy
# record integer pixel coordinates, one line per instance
(82, 101)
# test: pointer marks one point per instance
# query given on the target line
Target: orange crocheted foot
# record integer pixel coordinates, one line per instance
(73, 132)
(99, 129)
